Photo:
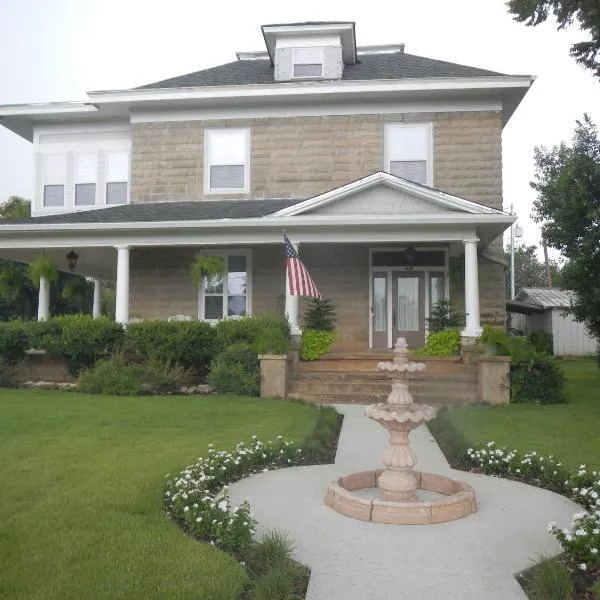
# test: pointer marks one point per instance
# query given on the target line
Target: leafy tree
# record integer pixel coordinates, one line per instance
(320, 315)
(586, 13)
(567, 181)
(15, 208)
(529, 270)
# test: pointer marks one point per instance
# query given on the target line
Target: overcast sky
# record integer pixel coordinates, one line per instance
(56, 50)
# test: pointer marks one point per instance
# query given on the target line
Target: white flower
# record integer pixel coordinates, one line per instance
(186, 508)
(580, 532)
(198, 519)
(583, 567)
(594, 550)
(551, 525)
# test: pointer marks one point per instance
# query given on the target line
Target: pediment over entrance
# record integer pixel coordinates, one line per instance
(385, 194)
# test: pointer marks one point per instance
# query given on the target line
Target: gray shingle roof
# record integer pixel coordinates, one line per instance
(170, 211)
(545, 297)
(397, 65)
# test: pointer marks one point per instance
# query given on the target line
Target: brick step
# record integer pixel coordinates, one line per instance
(379, 386)
(438, 365)
(357, 398)
(382, 377)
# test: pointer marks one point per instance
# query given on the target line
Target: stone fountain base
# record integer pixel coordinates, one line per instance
(457, 502)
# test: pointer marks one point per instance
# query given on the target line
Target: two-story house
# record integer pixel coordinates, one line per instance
(383, 167)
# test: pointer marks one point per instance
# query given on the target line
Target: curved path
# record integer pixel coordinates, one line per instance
(471, 559)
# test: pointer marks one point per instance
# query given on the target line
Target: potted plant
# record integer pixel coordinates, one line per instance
(205, 266)
(43, 267)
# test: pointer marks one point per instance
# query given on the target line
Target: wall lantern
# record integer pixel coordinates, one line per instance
(410, 256)
(72, 259)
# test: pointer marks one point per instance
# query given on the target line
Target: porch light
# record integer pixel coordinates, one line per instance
(72, 259)
(410, 256)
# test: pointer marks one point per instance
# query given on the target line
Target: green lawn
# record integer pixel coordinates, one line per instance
(569, 431)
(81, 481)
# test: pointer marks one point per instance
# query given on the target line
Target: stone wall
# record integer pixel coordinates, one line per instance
(304, 156)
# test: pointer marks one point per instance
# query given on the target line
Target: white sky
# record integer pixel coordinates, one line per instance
(54, 50)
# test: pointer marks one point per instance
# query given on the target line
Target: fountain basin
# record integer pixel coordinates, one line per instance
(457, 501)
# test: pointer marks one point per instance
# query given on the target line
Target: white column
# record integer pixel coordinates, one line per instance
(473, 326)
(97, 306)
(44, 299)
(122, 299)
(291, 305)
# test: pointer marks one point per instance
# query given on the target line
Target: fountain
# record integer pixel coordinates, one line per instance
(402, 495)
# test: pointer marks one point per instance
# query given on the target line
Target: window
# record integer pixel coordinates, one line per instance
(117, 177)
(55, 174)
(437, 289)
(226, 160)
(226, 295)
(307, 62)
(85, 179)
(407, 151)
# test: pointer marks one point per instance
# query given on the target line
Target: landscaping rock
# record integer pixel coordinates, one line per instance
(50, 385)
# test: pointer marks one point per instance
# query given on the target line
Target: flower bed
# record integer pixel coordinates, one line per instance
(580, 542)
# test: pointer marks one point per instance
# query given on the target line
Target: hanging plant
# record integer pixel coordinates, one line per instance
(206, 266)
(43, 267)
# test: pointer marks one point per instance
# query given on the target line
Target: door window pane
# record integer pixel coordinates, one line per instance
(380, 303)
(437, 289)
(213, 307)
(408, 303)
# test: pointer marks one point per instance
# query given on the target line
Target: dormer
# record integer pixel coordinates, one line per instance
(310, 51)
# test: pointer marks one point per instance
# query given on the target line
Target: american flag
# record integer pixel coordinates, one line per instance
(299, 281)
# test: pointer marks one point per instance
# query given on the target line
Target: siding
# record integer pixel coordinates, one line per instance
(570, 337)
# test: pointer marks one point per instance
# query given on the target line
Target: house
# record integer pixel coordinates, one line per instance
(384, 168)
(545, 309)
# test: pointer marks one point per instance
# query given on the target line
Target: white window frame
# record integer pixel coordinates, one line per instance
(87, 181)
(107, 180)
(295, 61)
(53, 182)
(388, 155)
(208, 163)
(225, 254)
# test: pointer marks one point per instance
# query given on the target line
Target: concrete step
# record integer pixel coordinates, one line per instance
(340, 387)
(383, 377)
(358, 398)
(442, 364)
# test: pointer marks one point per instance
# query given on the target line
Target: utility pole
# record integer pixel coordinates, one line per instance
(512, 256)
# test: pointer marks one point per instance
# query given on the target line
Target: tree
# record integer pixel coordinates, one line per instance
(586, 13)
(529, 270)
(567, 181)
(16, 208)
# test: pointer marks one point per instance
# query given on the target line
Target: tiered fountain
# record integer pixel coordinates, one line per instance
(399, 493)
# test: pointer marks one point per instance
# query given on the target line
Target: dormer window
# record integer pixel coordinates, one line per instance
(307, 62)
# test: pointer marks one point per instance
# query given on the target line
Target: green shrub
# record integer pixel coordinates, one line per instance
(236, 371)
(163, 377)
(113, 376)
(320, 315)
(440, 343)
(550, 580)
(275, 548)
(444, 315)
(596, 590)
(315, 343)
(542, 342)
(80, 339)
(190, 344)
(14, 341)
(267, 334)
(278, 583)
(9, 374)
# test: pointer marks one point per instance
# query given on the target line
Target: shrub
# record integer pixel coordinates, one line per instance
(542, 342)
(9, 374)
(315, 343)
(191, 344)
(236, 371)
(550, 580)
(267, 334)
(80, 339)
(440, 343)
(596, 590)
(163, 377)
(274, 549)
(112, 376)
(281, 582)
(444, 315)
(14, 341)
(320, 315)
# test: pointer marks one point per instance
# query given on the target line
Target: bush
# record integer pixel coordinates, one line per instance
(275, 548)
(80, 339)
(163, 377)
(112, 376)
(267, 334)
(550, 580)
(542, 342)
(190, 344)
(9, 374)
(440, 343)
(596, 590)
(14, 341)
(320, 315)
(236, 371)
(444, 315)
(315, 343)
(281, 582)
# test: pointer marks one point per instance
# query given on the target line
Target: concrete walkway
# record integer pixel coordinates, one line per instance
(471, 559)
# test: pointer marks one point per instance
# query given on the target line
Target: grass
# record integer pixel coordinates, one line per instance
(568, 431)
(81, 481)
(549, 579)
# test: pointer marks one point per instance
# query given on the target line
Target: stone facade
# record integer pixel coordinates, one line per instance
(304, 156)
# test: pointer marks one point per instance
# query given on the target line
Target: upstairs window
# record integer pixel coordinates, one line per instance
(227, 160)
(307, 62)
(55, 175)
(117, 177)
(407, 151)
(85, 174)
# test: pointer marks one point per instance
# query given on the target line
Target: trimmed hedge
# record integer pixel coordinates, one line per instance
(14, 341)
(267, 334)
(236, 371)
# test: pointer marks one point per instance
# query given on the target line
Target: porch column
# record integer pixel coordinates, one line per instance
(473, 326)
(44, 299)
(97, 306)
(122, 295)
(291, 304)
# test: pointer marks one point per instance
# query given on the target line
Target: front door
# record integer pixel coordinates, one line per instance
(398, 308)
